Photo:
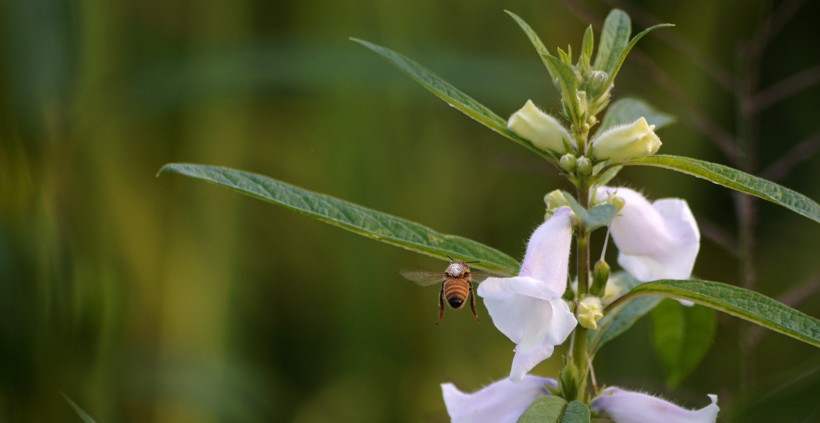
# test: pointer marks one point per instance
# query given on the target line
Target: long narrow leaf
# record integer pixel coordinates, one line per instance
(450, 94)
(357, 219)
(561, 73)
(736, 180)
(614, 39)
(80, 412)
(743, 303)
(620, 61)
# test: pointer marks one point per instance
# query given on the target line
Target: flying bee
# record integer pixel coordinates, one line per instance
(456, 285)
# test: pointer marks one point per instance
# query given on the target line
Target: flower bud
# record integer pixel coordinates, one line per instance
(555, 199)
(541, 129)
(612, 291)
(624, 142)
(600, 274)
(567, 162)
(584, 166)
(618, 202)
(590, 311)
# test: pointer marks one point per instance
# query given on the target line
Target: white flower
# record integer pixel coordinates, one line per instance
(624, 142)
(655, 241)
(528, 308)
(500, 402)
(541, 129)
(635, 407)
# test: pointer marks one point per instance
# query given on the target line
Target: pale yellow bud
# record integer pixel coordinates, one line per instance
(612, 291)
(555, 199)
(624, 142)
(539, 128)
(590, 311)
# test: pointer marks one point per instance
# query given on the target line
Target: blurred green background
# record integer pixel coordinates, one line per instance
(169, 300)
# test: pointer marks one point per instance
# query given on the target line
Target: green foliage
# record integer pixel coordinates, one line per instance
(627, 110)
(743, 303)
(451, 95)
(594, 218)
(681, 336)
(736, 180)
(80, 412)
(576, 412)
(562, 74)
(619, 319)
(553, 409)
(357, 219)
(614, 39)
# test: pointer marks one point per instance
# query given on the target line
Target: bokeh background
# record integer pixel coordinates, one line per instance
(169, 300)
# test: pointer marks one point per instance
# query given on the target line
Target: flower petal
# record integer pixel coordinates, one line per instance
(535, 321)
(502, 401)
(655, 241)
(634, 407)
(547, 256)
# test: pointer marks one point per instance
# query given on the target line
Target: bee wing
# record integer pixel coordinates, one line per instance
(478, 276)
(423, 277)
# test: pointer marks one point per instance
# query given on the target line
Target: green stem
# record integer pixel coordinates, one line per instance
(579, 342)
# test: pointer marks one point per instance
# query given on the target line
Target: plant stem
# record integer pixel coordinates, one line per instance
(578, 355)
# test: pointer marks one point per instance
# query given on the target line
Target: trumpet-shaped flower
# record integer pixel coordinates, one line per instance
(541, 129)
(634, 407)
(528, 308)
(500, 402)
(657, 240)
(625, 142)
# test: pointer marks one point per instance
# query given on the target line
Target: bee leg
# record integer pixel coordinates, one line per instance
(440, 304)
(472, 302)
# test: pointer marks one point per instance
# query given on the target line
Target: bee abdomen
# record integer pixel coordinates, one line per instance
(456, 294)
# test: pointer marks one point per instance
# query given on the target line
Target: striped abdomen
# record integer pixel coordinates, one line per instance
(457, 291)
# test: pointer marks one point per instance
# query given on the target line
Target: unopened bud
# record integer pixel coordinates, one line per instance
(624, 142)
(541, 129)
(555, 199)
(618, 202)
(590, 311)
(600, 274)
(584, 165)
(567, 162)
(612, 291)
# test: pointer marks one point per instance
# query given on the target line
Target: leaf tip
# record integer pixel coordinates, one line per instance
(166, 168)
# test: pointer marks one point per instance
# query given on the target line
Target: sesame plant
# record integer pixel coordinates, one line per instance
(538, 303)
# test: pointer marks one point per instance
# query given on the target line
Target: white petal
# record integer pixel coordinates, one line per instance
(547, 256)
(502, 401)
(655, 241)
(531, 315)
(635, 407)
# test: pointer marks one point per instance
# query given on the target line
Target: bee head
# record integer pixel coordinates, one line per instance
(457, 269)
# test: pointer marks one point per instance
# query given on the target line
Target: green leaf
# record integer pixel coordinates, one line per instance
(748, 305)
(451, 95)
(593, 218)
(736, 180)
(627, 110)
(82, 414)
(357, 219)
(545, 409)
(608, 175)
(562, 74)
(586, 47)
(614, 40)
(681, 337)
(576, 412)
(619, 319)
(625, 52)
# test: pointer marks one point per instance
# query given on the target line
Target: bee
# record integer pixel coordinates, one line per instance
(456, 285)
